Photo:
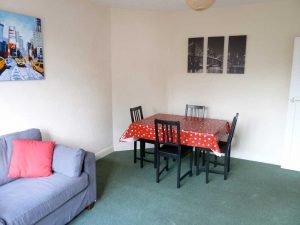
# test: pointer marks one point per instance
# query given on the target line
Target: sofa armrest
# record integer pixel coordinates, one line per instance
(89, 167)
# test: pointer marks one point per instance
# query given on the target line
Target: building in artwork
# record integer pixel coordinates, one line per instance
(3, 42)
(1, 32)
(38, 25)
(37, 41)
(12, 42)
(30, 51)
(21, 44)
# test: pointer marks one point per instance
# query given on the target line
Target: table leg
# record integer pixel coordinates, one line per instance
(155, 155)
(134, 151)
(142, 152)
(207, 156)
(195, 151)
(198, 160)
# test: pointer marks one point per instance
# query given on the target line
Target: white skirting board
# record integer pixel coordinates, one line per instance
(104, 152)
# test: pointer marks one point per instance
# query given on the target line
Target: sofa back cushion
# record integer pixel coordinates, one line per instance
(4, 162)
(6, 148)
(68, 161)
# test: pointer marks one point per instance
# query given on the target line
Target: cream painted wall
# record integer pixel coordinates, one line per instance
(143, 41)
(99, 62)
(139, 41)
(260, 96)
(73, 104)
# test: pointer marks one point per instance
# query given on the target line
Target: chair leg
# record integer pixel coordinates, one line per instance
(141, 158)
(226, 166)
(207, 156)
(198, 162)
(195, 155)
(191, 164)
(167, 163)
(216, 161)
(199, 156)
(229, 153)
(203, 157)
(178, 172)
(134, 151)
(157, 168)
(155, 156)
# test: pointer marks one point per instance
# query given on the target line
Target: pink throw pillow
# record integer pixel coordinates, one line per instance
(31, 159)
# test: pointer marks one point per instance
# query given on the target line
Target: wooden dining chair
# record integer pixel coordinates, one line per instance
(195, 110)
(136, 114)
(225, 148)
(168, 145)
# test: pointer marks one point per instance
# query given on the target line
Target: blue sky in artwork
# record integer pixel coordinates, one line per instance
(24, 24)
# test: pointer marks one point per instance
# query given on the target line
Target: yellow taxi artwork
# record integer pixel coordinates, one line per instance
(20, 62)
(2, 64)
(38, 66)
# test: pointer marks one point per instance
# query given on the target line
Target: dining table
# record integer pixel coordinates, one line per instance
(194, 131)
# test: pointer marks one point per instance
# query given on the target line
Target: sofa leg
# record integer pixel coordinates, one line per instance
(90, 206)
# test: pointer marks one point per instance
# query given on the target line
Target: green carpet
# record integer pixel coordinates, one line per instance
(254, 194)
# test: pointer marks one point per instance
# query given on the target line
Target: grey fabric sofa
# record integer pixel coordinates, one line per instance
(53, 200)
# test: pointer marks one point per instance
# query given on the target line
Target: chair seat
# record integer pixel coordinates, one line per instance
(173, 150)
(222, 146)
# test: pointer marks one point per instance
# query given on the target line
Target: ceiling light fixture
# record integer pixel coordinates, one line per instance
(200, 4)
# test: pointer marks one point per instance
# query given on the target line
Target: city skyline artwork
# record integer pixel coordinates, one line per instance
(21, 47)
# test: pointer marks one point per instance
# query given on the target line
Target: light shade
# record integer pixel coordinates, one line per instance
(200, 4)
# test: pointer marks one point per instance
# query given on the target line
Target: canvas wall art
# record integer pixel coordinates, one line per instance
(21, 47)
(195, 55)
(215, 54)
(236, 54)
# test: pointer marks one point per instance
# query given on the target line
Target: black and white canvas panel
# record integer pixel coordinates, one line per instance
(236, 54)
(195, 55)
(215, 54)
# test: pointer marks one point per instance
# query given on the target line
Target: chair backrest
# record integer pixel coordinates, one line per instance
(136, 114)
(195, 110)
(231, 133)
(168, 131)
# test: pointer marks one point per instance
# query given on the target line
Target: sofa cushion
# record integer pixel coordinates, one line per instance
(27, 200)
(67, 161)
(4, 162)
(6, 148)
(31, 159)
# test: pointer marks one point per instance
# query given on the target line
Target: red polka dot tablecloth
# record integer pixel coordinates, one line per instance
(196, 132)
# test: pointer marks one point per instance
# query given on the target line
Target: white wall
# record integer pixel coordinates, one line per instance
(139, 66)
(73, 104)
(260, 95)
(143, 39)
(100, 62)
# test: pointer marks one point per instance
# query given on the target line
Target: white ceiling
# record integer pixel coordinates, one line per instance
(168, 4)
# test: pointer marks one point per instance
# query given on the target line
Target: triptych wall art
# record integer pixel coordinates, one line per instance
(215, 53)
(21, 47)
